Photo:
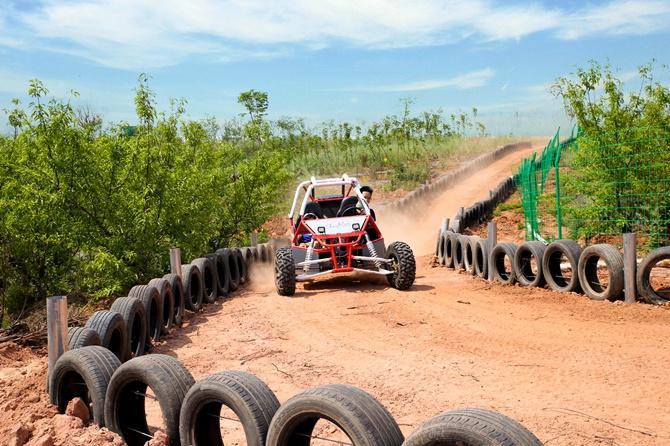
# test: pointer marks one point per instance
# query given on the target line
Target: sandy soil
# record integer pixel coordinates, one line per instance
(574, 371)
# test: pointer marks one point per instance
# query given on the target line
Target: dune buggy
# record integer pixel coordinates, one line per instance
(333, 230)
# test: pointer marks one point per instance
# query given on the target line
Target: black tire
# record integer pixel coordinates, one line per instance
(193, 287)
(440, 254)
(78, 337)
(112, 331)
(588, 272)
(222, 275)
(263, 253)
(403, 266)
(124, 406)
(481, 258)
(469, 255)
(500, 273)
(644, 288)
(285, 272)
(178, 298)
(523, 263)
(551, 265)
(153, 307)
(210, 281)
(360, 416)
(134, 316)
(248, 255)
(472, 427)
(257, 255)
(449, 252)
(241, 265)
(167, 297)
(457, 247)
(84, 373)
(232, 269)
(250, 398)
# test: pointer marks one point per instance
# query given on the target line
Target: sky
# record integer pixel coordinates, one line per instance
(329, 59)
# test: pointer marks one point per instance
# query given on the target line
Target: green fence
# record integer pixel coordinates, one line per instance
(595, 188)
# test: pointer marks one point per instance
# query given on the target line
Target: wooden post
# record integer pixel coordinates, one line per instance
(56, 328)
(445, 225)
(491, 241)
(175, 261)
(629, 267)
(253, 237)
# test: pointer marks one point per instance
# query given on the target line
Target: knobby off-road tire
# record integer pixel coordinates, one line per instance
(134, 316)
(359, 415)
(403, 265)
(223, 278)
(499, 253)
(167, 297)
(124, 406)
(193, 287)
(523, 267)
(472, 427)
(644, 288)
(153, 306)
(249, 398)
(178, 298)
(84, 373)
(588, 272)
(112, 331)
(285, 272)
(207, 269)
(78, 337)
(551, 265)
(481, 258)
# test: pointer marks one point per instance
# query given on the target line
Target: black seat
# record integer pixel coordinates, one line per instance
(313, 208)
(347, 203)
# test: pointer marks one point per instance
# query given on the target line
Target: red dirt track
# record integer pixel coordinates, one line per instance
(574, 371)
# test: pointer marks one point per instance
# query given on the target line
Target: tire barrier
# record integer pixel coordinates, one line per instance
(483, 210)
(553, 261)
(210, 289)
(134, 316)
(223, 277)
(191, 411)
(458, 249)
(193, 287)
(232, 268)
(644, 288)
(124, 406)
(441, 246)
(178, 297)
(501, 272)
(528, 264)
(167, 298)
(481, 259)
(153, 307)
(358, 414)
(78, 337)
(449, 252)
(84, 373)
(248, 397)
(241, 266)
(469, 254)
(472, 427)
(112, 331)
(590, 279)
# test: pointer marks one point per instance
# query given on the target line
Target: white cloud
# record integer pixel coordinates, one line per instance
(142, 34)
(465, 81)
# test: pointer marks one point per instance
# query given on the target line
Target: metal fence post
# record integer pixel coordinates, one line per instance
(56, 328)
(491, 241)
(175, 261)
(629, 266)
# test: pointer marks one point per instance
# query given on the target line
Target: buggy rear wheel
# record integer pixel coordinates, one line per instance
(284, 272)
(403, 265)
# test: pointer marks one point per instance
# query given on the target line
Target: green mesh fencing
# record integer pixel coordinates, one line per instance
(595, 187)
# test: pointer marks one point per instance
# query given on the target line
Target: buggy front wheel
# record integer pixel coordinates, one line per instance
(284, 272)
(402, 264)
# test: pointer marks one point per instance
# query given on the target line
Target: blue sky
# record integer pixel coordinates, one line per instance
(328, 59)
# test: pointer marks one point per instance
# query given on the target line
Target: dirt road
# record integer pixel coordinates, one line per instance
(575, 372)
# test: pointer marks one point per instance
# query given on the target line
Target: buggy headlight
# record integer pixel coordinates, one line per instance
(321, 229)
(356, 226)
